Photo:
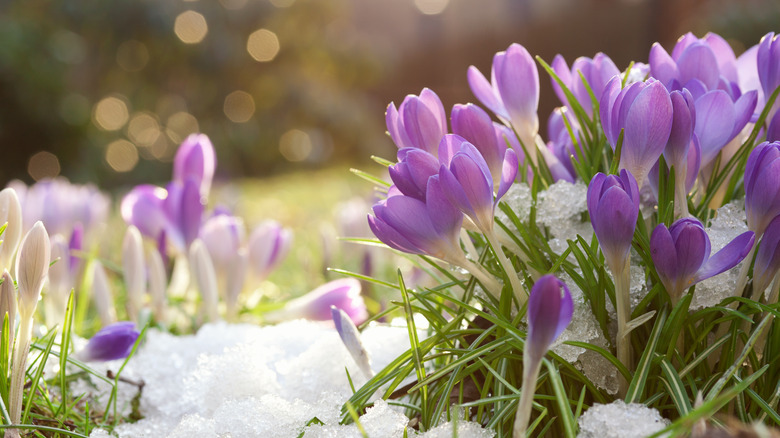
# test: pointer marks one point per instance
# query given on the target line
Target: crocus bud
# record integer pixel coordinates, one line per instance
(143, 208)
(134, 270)
(550, 309)
(762, 178)
(158, 284)
(412, 226)
(195, 158)
(112, 342)
(350, 336)
(101, 293)
(410, 175)
(184, 210)
(613, 206)
(202, 269)
(768, 58)
(10, 213)
(468, 184)
(644, 112)
(681, 255)
(223, 236)
(234, 282)
(61, 281)
(513, 93)
(684, 116)
(767, 258)
(473, 124)
(343, 294)
(268, 245)
(8, 300)
(597, 72)
(420, 122)
(32, 265)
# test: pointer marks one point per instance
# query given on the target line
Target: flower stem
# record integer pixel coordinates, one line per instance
(507, 266)
(523, 414)
(680, 194)
(493, 287)
(743, 273)
(623, 310)
(19, 368)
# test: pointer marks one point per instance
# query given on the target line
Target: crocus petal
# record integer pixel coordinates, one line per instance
(421, 122)
(508, 173)
(727, 61)
(728, 257)
(143, 208)
(473, 124)
(205, 278)
(773, 132)
(395, 128)
(684, 113)
(195, 159)
(10, 214)
(445, 217)
(692, 246)
(390, 237)
(32, 265)
(698, 62)
(664, 254)
(561, 69)
(768, 59)
(350, 336)
(662, 66)
(550, 309)
(7, 298)
(102, 295)
(485, 92)
(767, 257)
(133, 267)
(714, 123)
(517, 81)
(647, 127)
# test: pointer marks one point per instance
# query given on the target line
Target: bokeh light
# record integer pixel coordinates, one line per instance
(295, 145)
(239, 106)
(431, 7)
(121, 155)
(132, 55)
(263, 45)
(180, 125)
(143, 129)
(111, 113)
(68, 47)
(190, 27)
(43, 165)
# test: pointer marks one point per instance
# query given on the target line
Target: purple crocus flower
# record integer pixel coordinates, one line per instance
(768, 61)
(416, 227)
(773, 132)
(550, 309)
(719, 118)
(762, 178)
(410, 175)
(597, 72)
(112, 342)
(681, 255)
(420, 122)
(268, 245)
(513, 92)
(613, 206)
(707, 63)
(195, 158)
(767, 258)
(473, 124)
(350, 336)
(644, 111)
(143, 207)
(344, 294)
(681, 134)
(468, 183)
(223, 236)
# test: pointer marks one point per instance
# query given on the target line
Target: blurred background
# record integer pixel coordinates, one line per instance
(104, 92)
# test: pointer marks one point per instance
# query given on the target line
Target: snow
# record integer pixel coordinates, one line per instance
(249, 381)
(620, 420)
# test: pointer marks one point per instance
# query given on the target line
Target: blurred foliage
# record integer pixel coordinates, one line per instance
(59, 59)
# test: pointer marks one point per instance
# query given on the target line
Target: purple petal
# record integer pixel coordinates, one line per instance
(662, 66)
(110, 343)
(773, 132)
(714, 123)
(394, 127)
(143, 207)
(561, 69)
(767, 257)
(728, 257)
(485, 92)
(727, 61)
(647, 128)
(664, 254)
(606, 109)
(698, 62)
(445, 217)
(473, 124)
(195, 159)
(508, 173)
(768, 58)
(691, 245)
(421, 122)
(743, 111)
(191, 211)
(517, 81)
(682, 128)
(390, 237)
(550, 309)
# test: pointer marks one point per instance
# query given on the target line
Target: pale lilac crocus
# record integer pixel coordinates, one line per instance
(767, 258)
(268, 245)
(644, 112)
(11, 216)
(195, 159)
(512, 93)
(202, 269)
(768, 62)
(112, 342)
(343, 294)
(8, 307)
(707, 63)
(102, 295)
(719, 119)
(550, 309)
(681, 255)
(419, 122)
(350, 336)
(133, 270)
(596, 71)
(224, 236)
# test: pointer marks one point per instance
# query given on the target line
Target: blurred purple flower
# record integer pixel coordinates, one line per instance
(644, 111)
(268, 245)
(468, 183)
(613, 206)
(112, 342)
(343, 294)
(762, 178)
(597, 72)
(420, 122)
(768, 61)
(681, 255)
(223, 236)
(196, 159)
(767, 258)
(550, 309)
(513, 92)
